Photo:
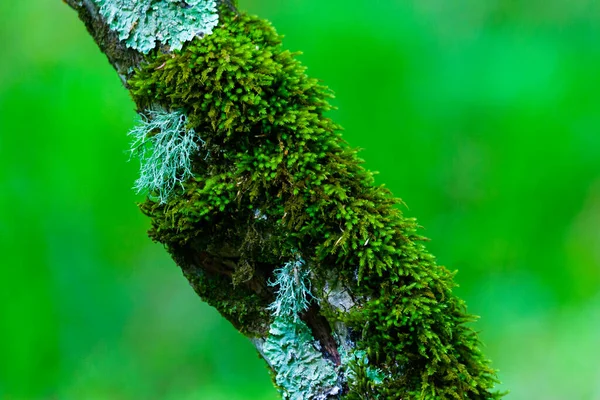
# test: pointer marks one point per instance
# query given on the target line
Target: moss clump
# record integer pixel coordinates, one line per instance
(280, 180)
(362, 378)
(242, 307)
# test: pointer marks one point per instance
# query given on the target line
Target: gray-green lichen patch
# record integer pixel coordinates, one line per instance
(338, 297)
(302, 372)
(293, 293)
(165, 146)
(141, 24)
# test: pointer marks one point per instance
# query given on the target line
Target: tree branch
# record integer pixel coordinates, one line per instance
(274, 221)
(122, 59)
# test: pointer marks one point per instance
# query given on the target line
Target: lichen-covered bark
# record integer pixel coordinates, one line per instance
(280, 228)
(122, 58)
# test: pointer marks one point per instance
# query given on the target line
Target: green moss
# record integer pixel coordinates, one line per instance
(363, 379)
(242, 307)
(272, 149)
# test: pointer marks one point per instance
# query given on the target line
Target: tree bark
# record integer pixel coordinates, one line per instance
(122, 58)
(282, 230)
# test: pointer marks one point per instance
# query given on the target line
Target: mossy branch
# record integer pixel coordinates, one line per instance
(273, 220)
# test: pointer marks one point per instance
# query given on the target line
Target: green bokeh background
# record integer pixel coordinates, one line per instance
(482, 115)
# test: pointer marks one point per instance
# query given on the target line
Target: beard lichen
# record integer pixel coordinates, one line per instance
(165, 147)
(293, 290)
(273, 149)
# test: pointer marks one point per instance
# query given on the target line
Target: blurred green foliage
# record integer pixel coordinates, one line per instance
(482, 115)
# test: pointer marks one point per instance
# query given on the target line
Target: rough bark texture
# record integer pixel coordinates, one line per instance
(277, 200)
(123, 59)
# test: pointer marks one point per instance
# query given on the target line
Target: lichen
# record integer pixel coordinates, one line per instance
(302, 372)
(141, 24)
(291, 350)
(293, 290)
(274, 149)
(165, 146)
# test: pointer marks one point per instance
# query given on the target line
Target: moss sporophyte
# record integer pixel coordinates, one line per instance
(275, 222)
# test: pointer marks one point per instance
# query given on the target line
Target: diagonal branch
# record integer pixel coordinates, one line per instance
(122, 58)
(275, 222)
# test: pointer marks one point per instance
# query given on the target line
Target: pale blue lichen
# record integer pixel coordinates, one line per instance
(293, 293)
(302, 372)
(290, 349)
(141, 24)
(164, 145)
